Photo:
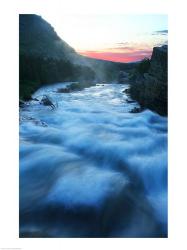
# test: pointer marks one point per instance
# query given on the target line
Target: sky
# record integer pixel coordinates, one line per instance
(120, 38)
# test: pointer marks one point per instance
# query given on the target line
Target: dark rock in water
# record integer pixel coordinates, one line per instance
(99, 84)
(21, 103)
(76, 86)
(127, 91)
(130, 101)
(47, 102)
(35, 99)
(63, 90)
(136, 110)
(24, 118)
(40, 123)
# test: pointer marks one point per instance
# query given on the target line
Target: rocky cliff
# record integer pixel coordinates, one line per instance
(149, 87)
(159, 65)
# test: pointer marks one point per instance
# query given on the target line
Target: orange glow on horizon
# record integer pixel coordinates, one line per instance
(118, 56)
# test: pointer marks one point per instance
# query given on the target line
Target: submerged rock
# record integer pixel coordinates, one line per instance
(63, 90)
(76, 86)
(136, 110)
(21, 103)
(126, 91)
(24, 118)
(46, 101)
(130, 101)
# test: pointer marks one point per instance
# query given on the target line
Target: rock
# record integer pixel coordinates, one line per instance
(129, 101)
(159, 63)
(149, 88)
(76, 86)
(47, 102)
(139, 78)
(24, 118)
(136, 110)
(35, 99)
(148, 78)
(126, 91)
(99, 84)
(21, 103)
(63, 90)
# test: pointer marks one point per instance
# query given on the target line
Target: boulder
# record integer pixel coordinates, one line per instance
(63, 90)
(46, 101)
(136, 110)
(126, 91)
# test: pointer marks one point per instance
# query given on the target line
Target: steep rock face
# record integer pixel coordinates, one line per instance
(158, 67)
(150, 88)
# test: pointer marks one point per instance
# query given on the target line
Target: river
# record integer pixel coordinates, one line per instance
(90, 168)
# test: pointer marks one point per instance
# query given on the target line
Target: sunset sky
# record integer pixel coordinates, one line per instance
(121, 38)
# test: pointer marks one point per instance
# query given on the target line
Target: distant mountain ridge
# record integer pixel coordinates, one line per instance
(38, 38)
(45, 58)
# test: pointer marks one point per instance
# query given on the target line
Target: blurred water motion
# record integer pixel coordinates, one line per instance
(94, 169)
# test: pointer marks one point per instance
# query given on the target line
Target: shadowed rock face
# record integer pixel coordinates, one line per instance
(150, 88)
(159, 63)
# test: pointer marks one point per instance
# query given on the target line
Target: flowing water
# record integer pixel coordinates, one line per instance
(90, 168)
